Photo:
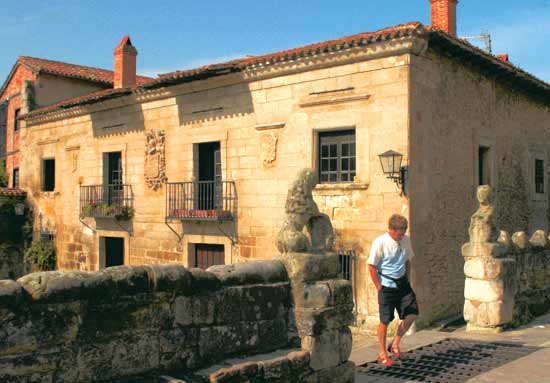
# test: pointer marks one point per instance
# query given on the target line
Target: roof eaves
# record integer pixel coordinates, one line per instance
(503, 71)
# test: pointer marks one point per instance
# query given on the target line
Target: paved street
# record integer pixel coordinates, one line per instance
(532, 368)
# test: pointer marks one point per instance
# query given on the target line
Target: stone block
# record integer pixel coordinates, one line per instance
(483, 249)
(345, 343)
(488, 267)
(248, 273)
(315, 321)
(170, 278)
(277, 369)
(262, 302)
(489, 314)
(325, 349)
(11, 293)
(311, 267)
(202, 280)
(55, 286)
(484, 291)
(344, 373)
(128, 279)
(322, 294)
(195, 310)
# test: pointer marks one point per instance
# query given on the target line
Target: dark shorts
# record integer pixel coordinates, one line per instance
(391, 299)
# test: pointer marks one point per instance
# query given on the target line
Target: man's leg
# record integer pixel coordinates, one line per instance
(404, 326)
(382, 334)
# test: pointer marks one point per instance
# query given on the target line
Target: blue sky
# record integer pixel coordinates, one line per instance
(172, 35)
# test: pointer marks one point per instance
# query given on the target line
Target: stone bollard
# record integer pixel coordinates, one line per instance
(490, 284)
(323, 303)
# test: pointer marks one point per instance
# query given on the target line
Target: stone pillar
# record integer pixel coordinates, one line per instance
(323, 303)
(490, 284)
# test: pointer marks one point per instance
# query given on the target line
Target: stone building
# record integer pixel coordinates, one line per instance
(193, 167)
(34, 83)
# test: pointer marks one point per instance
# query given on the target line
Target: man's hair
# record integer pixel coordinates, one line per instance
(398, 222)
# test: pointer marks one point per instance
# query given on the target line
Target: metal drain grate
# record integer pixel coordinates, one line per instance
(448, 361)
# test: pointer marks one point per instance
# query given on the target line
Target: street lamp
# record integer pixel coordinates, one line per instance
(391, 166)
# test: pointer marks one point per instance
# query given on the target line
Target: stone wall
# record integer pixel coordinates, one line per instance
(93, 326)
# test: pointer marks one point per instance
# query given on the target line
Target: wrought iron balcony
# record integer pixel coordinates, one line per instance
(103, 201)
(201, 201)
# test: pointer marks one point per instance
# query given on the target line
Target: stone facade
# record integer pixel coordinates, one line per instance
(405, 95)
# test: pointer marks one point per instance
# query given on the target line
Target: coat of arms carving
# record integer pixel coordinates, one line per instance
(268, 149)
(155, 166)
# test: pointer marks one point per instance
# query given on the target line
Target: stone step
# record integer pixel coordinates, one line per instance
(279, 365)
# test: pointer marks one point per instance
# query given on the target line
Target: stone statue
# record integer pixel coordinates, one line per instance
(482, 224)
(301, 210)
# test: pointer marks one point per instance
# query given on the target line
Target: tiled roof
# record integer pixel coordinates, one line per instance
(8, 192)
(464, 51)
(57, 68)
(347, 42)
(73, 71)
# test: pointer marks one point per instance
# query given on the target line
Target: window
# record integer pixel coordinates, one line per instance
(15, 178)
(47, 236)
(484, 165)
(15, 120)
(337, 156)
(48, 175)
(539, 176)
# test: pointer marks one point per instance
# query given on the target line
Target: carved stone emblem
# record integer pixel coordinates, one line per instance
(154, 159)
(268, 149)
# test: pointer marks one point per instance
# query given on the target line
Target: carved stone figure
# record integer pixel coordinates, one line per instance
(155, 166)
(482, 224)
(268, 149)
(301, 210)
(538, 239)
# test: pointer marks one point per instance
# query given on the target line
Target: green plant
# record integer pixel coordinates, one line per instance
(42, 255)
(105, 209)
(124, 213)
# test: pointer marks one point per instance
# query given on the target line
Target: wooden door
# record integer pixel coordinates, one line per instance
(207, 255)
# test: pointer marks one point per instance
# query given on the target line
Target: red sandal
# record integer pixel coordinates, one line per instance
(385, 361)
(394, 350)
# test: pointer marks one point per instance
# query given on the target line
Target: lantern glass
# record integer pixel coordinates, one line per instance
(391, 162)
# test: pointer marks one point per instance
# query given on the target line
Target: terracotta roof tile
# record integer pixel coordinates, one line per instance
(73, 71)
(360, 39)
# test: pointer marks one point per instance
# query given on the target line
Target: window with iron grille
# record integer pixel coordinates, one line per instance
(337, 156)
(47, 236)
(347, 259)
(539, 176)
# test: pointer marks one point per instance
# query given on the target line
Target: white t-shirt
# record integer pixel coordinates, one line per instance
(390, 257)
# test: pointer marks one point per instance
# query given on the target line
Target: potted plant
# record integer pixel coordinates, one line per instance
(124, 213)
(105, 209)
(89, 208)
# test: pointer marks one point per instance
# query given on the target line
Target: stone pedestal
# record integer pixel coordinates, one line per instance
(490, 285)
(323, 308)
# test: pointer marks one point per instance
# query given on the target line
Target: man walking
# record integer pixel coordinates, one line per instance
(388, 269)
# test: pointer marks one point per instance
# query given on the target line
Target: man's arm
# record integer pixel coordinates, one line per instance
(373, 271)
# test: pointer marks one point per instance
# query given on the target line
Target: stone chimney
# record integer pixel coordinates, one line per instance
(125, 64)
(444, 15)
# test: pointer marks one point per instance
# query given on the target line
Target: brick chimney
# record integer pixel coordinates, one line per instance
(125, 64)
(504, 57)
(444, 15)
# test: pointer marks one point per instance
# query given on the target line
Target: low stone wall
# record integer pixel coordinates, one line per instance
(127, 320)
(532, 273)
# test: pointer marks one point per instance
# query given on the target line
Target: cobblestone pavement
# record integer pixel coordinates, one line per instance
(533, 368)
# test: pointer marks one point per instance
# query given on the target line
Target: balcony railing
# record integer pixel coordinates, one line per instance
(107, 201)
(201, 200)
